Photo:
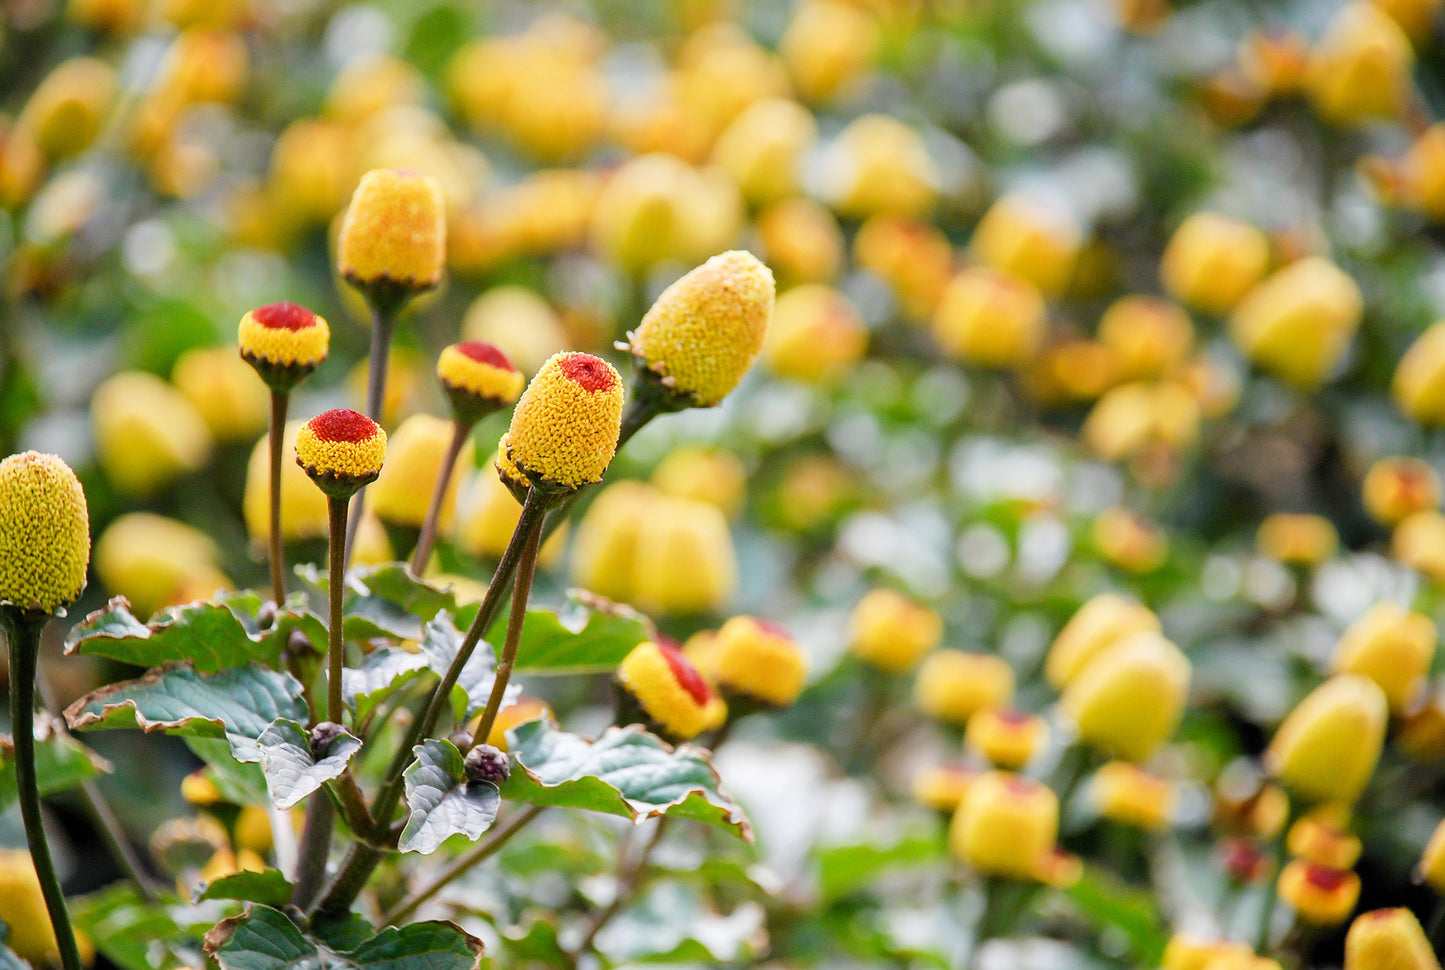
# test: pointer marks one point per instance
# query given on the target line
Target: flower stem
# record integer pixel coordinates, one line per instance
(23, 632)
(336, 651)
(427, 539)
(1435, 929)
(279, 402)
(383, 317)
(521, 589)
(315, 847)
(362, 859)
(1271, 886)
(471, 857)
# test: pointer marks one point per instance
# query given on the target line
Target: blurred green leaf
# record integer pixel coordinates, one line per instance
(208, 635)
(1104, 901)
(588, 635)
(846, 869)
(61, 763)
(265, 939)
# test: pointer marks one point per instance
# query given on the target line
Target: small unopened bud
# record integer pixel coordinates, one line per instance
(266, 615)
(322, 735)
(486, 763)
(298, 645)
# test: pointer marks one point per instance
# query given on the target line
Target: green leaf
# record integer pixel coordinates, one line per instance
(588, 635)
(268, 888)
(383, 671)
(384, 601)
(264, 939)
(440, 642)
(208, 635)
(237, 704)
(626, 772)
(292, 771)
(135, 934)
(442, 802)
(61, 763)
(846, 869)
(238, 782)
(1106, 902)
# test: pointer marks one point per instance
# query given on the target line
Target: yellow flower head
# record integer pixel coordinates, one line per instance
(1360, 69)
(1393, 647)
(943, 787)
(1395, 488)
(1152, 337)
(1189, 953)
(758, 660)
(44, 533)
(1297, 538)
(816, 335)
(1029, 238)
(1130, 699)
(1004, 737)
(1211, 261)
(1322, 836)
(478, 378)
(1419, 383)
(303, 509)
(1432, 860)
(22, 907)
(154, 561)
(1005, 826)
(283, 341)
(704, 474)
(1128, 794)
(147, 433)
(224, 390)
(394, 234)
(1319, 895)
(1299, 322)
(341, 450)
(1388, 939)
(892, 632)
(1328, 746)
(668, 689)
(705, 330)
(685, 561)
(1129, 541)
(990, 318)
(1419, 542)
(953, 685)
(564, 430)
(1099, 624)
(606, 543)
(524, 710)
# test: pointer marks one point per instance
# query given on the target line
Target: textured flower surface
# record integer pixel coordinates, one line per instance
(44, 532)
(480, 369)
(705, 330)
(343, 444)
(565, 428)
(668, 688)
(395, 231)
(284, 334)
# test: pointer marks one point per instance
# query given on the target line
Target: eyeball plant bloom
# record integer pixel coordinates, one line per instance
(284, 342)
(394, 235)
(1328, 746)
(1097, 625)
(1130, 699)
(1320, 895)
(705, 330)
(565, 428)
(892, 632)
(668, 691)
(1005, 826)
(757, 660)
(342, 450)
(478, 378)
(44, 533)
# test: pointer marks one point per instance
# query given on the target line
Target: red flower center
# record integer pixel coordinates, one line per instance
(685, 673)
(591, 373)
(284, 316)
(768, 626)
(1323, 877)
(1013, 718)
(343, 424)
(485, 353)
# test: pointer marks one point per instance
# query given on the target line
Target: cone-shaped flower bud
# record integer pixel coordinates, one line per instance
(1328, 746)
(342, 450)
(1322, 836)
(1006, 826)
(1189, 953)
(892, 632)
(44, 533)
(757, 660)
(705, 330)
(1432, 861)
(1097, 625)
(1006, 738)
(564, 430)
(1319, 895)
(416, 451)
(1388, 939)
(1131, 698)
(668, 690)
(394, 236)
(1419, 383)
(1299, 322)
(478, 378)
(1393, 647)
(1297, 538)
(1211, 261)
(943, 787)
(284, 342)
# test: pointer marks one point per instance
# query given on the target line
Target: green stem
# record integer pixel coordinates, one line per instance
(427, 539)
(1435, 928)
(1271, 886)
(383, 317)
(483, 850)
(315, 847)
(336, 650)
(279, 402)
(23, 631)
(522, 588)
(363, 859)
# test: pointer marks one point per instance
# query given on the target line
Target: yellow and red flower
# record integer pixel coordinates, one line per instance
(342, 450)
(565, 428)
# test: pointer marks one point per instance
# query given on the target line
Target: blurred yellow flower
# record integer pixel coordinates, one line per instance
(1328, 746)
